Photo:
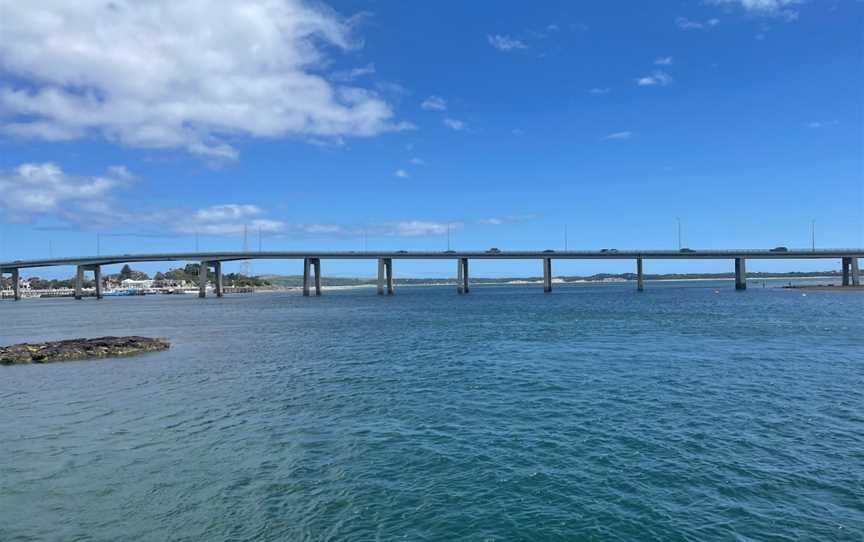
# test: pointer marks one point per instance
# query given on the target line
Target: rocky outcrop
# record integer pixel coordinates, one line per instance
(74, 349)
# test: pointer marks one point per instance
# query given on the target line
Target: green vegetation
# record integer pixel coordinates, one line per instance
(190, 272)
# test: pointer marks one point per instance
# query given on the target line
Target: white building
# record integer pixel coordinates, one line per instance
(132, 284)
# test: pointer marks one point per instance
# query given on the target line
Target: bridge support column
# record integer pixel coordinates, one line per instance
(202, 279)
(640, 280)
(740, 274)
(317, 264)
(388, 268)
(79, 281)
(547, 275)
(462, 275)
(16, 285)
(97, 277)
(845, 265)
(306, 270)
(853, 269)
(217, 268)
(381, 276)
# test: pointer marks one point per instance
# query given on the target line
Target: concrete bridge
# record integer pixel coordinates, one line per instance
(848, 259)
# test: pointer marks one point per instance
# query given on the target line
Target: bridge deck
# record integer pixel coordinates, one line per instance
(442, 255)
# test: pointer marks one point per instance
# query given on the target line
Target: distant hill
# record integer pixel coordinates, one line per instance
(288, 281)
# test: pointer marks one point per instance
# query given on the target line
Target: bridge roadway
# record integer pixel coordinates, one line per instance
(312, 263)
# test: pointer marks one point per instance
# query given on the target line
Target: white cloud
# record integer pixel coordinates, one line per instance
(687, 24)
(415, 228)
(418, 161)
(401, 173)
(663, 61)
(30, 191)
(405, 228)
(597, 90)
(619, 136)
(38, 189)
(771, 8)
(180, 75)
(657, 78)
(505, 43)
(352, 74)
(434, 103)
(455, 124)
(510, 219)
(226, 219)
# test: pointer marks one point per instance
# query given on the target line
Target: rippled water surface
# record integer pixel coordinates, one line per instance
(592, 413)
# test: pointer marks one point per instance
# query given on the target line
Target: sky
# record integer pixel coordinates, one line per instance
(132, 127)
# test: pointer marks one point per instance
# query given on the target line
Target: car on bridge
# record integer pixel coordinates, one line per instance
(779, 249)
(548, 251)
(609, 250)
(686, 250)
(493, 250)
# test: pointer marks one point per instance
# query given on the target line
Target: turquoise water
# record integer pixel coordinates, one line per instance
(688, 412)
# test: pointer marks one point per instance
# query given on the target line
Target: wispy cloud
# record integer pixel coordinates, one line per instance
(418, 161)
(505, 43)
(821, 123)
(434, 103)
(345, 76)
(768, 8)
(618, 136)
(656, 78)
(663, 61)
(226, 219)
(455, 124)
(401, 173)
(688, 24)
(598, 90)
(501, 220)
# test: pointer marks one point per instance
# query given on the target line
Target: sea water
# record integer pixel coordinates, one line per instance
(687, 412)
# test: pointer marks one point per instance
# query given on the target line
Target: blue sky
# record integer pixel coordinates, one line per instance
(314, 123)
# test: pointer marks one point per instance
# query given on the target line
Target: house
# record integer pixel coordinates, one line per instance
(136, 284)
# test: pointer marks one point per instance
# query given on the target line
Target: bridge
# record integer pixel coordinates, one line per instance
(312, 263)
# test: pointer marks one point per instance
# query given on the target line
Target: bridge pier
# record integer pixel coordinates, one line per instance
(740, 274)
(16, 285)
(217, 268)
(845, 265)
(310, 265)
(97, 277)
(79, 282)
(385, 274)
(547, 275)
(640, 281)
(856, 274)
(202, 279)
(462, 275)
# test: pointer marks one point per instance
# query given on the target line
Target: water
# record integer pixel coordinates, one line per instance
(592, 413)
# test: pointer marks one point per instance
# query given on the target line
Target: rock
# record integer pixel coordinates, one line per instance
(74, 349)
